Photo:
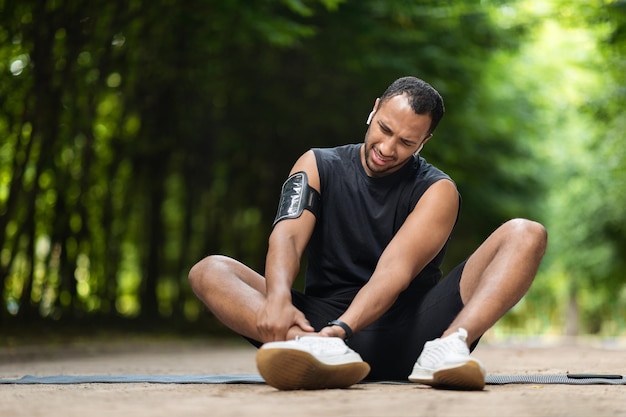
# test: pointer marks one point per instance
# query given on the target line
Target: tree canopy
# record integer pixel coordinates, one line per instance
(138, 137)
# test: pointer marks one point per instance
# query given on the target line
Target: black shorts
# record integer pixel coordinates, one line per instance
(392, 344)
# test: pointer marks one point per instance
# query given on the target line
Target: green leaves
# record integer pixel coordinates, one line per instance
(137, 137)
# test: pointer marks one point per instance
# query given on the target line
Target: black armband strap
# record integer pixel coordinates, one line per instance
(344, 326)
(296, 196)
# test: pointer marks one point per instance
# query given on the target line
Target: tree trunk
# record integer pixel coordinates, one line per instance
(573, 314)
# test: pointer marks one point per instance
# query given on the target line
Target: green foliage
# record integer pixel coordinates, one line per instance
(581, 287)
(141, 136)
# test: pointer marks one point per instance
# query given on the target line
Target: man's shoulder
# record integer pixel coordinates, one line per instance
(428, 170)
(337, 163)
(337, 151)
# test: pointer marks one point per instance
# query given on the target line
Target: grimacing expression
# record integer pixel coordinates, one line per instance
(395, 133)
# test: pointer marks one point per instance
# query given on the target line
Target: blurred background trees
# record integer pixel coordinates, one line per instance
(137, 137)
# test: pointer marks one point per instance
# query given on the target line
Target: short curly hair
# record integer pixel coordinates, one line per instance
(423, 98)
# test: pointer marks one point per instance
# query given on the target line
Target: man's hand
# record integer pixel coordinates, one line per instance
(275, 320)
(333, 331)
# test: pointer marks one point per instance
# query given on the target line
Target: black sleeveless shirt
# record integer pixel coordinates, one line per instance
(359, 217)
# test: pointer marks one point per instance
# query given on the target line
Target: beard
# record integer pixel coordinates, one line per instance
(376, 170)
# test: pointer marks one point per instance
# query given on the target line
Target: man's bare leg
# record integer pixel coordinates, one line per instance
(235, 294)
(231, 291)
(498, 275)
(494, 279)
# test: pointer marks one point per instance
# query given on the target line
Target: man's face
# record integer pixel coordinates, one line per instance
(394, 135)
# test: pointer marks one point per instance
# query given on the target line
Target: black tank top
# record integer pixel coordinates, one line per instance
(359, 217)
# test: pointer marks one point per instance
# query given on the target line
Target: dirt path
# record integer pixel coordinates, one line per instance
(157, 357)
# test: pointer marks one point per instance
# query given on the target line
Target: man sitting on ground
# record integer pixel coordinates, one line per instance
(375, 219)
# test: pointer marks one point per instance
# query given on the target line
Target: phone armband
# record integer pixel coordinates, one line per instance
(296, 196)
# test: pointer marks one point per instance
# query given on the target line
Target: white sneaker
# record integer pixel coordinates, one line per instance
(446, 363)
(310, 362)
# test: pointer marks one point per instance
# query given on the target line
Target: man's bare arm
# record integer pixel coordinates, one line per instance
(287, 243)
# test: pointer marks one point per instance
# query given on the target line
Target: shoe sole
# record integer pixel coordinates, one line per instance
(468, 377)
(290, 369)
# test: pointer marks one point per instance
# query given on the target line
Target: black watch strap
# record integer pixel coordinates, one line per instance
(344, 326)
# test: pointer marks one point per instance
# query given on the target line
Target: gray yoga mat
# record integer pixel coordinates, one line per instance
(257, 379)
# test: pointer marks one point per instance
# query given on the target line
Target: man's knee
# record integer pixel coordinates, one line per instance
(528, 232)
(201, 273)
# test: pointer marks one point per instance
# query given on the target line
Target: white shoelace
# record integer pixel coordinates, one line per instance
(436, 351)
(323, 345)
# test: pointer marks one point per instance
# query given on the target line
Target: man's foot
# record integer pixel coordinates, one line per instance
(446, 363)
(310, 362)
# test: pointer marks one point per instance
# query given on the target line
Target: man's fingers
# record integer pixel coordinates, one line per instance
(304, 324)
(326, 332)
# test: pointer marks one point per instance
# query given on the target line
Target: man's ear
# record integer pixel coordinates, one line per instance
(373, 112)
(423, 143)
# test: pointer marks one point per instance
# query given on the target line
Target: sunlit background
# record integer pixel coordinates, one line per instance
(137, 137)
